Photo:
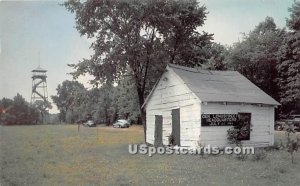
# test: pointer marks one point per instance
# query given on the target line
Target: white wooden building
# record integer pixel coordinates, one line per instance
(199, 106)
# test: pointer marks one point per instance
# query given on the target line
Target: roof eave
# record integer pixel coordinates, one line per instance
(271, 104)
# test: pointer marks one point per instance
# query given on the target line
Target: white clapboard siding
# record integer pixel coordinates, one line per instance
(189, 125)
(171, 93)
(262, 124)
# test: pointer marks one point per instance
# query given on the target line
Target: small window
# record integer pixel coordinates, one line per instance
(244, 123)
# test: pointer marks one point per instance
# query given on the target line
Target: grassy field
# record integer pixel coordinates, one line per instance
(59, 155)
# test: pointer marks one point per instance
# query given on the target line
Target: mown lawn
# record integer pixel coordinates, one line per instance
(59, 155)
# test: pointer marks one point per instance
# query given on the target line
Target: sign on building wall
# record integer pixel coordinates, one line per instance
(241, 121)
(219, 119)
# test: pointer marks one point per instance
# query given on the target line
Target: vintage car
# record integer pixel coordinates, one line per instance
(293, 120)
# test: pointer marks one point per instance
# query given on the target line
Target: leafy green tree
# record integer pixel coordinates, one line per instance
(17, 112)
(289, 65)
(6, 117)
(81, 106)
(294, 21)
(69, 93)
(143, 35)
(219, 55)
(99, 103)
(21, 111)
(127, 104)
(42, 107)
(256, 56)
(93, 105)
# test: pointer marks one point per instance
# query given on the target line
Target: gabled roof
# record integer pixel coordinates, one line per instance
(39, 69)
(221, 86)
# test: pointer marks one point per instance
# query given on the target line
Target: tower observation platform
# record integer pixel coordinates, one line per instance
(39, 85)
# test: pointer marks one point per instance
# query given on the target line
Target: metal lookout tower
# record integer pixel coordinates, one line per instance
(39, 85)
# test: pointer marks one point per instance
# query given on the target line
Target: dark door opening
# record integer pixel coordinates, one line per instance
(176, 126)
(158, 130)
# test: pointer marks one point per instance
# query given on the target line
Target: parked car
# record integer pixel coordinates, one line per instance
(291, 120)
(296, 121)
(89, 123)
(121, 123)
(279, 125)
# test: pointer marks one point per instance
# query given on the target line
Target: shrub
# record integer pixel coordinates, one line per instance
(293, 141)
(171, 139)
(232, 136)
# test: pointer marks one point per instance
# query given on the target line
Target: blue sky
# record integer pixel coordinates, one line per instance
(227, 19)
(30, 27)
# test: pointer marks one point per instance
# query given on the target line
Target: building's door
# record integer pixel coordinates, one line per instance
(158, 130)
(176, 126)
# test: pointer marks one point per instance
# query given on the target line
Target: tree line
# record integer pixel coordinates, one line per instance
(18, 111)
(135, 40)
(102, 104)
